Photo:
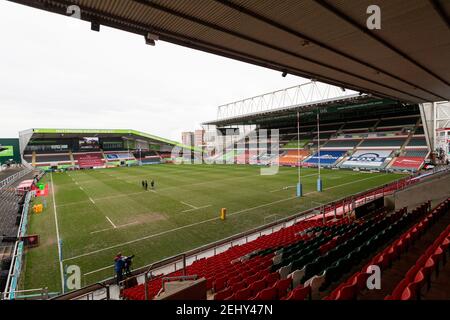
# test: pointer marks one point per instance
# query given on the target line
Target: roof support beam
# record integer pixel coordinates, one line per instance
(332, 9)
(441, 11)
(213, 26)
(239, 8)
(60, 6)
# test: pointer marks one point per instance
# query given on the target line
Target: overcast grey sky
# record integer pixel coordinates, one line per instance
(57, 73)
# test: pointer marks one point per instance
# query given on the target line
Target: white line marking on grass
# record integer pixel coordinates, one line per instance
(117, 227)
(203, 222)
(189, 205)
(112, 223)
(61, 269)
(189, 210)
(92, 200)
(102, 230)
(95, 271)
(126, 224)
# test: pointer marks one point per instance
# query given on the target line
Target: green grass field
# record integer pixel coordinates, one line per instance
(102, 212)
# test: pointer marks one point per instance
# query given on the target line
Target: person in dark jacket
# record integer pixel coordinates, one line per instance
(127, 266)
(119, 265)
(152, 184)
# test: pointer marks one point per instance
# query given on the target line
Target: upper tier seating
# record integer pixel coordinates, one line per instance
(417, 142)
(359, 125)
(49, 158)
(397, 122)
(416, 153)
(419, 130)
(395, 142)
(342, 144)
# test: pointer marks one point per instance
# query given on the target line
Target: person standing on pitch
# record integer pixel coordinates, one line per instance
(146, 185)
(143, 184)
(152, 184)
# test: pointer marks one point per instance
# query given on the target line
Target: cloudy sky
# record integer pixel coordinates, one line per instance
(57, 73)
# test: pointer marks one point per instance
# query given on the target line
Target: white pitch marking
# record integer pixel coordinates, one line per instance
(112, 223)
(92, 200)
(189, 210)
(189, 205)
(118, 227)
(203, 222)
(57, 235)
(101, 230)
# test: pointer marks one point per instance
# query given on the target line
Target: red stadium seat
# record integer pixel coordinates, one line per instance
(220, 284)
(223, 294)
(360, 280)
(407, 293)
(267, 294)
(243, 294)
(348, 292)
(300, 293)
(283, 286)
(271, 278)
(257, 286)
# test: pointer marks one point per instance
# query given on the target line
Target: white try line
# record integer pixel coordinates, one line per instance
(206, 221)
(189, 205)
(61, 269)
(112, 223)
(189, 210)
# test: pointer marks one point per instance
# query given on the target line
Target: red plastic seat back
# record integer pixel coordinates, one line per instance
(267, 294)
(347, 293)
(257, 286)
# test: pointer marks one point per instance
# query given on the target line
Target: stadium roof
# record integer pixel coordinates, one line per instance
(407, 59)
(337, 104)
(73, 133)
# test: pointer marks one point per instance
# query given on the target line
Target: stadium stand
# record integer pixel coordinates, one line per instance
(346, 144)
(368, 159)
(327, 158)
(417, 142)
(424, 244)
(293, 157)
(409, 121)
(147, 157)
(304, 260)
(383, 143)
(359, 126)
